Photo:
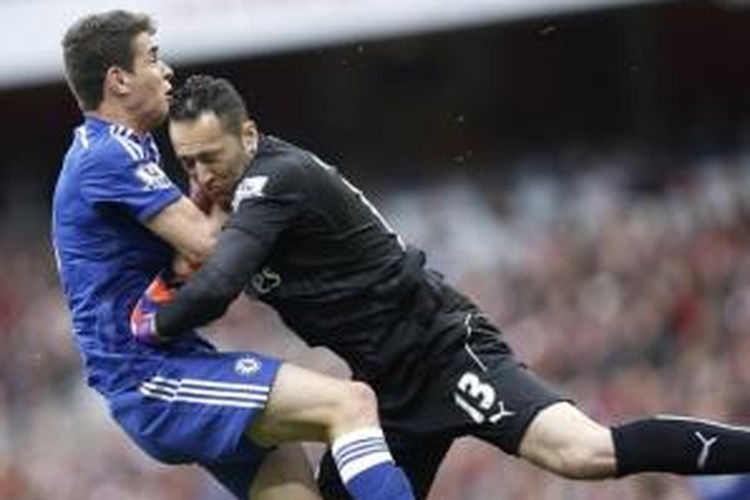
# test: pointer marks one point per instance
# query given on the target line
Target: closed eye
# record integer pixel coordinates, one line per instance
(188, 162)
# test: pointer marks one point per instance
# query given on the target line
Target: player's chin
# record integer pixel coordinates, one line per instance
(159, 116)
(201, 198)
(225, 205)
(223, 200)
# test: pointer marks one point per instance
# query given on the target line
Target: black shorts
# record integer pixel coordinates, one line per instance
(471, 384)
(477, 387)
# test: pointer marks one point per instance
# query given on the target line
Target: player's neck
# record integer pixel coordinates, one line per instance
(118, 115)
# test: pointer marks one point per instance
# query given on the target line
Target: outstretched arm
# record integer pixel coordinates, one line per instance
(210, 291)
(266, 206)
(162, 316)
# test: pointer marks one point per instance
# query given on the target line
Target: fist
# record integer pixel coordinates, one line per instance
(182, 268)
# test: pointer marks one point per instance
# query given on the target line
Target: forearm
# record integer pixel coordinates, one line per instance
(188, 230)
(182, 266)
(203, 299)
(209, 292)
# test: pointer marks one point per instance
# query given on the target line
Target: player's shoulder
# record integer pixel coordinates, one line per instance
(281, 162)
(117, 142)
(278, 157)
(107, 148)
(278, 169)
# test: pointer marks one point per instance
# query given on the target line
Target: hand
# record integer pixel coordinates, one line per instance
(182, 269)
(143, 316)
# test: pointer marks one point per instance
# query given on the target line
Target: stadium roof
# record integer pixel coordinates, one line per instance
(199, 30)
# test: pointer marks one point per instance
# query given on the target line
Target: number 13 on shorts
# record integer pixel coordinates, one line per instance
(479, 400)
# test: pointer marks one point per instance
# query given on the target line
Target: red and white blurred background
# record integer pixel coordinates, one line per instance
(581, 168)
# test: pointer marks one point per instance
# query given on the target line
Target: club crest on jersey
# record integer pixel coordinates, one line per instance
(152, 177)
(250, 187)
(247, 366)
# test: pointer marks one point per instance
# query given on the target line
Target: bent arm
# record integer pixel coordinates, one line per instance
(187, 229)
(210, 291)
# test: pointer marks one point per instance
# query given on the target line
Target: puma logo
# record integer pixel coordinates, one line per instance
(707, 443)
(501, 414)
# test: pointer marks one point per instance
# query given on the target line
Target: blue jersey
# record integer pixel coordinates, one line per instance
(110, 184)
(185, 403)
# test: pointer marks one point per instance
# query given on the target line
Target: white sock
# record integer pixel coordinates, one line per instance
(360, 450)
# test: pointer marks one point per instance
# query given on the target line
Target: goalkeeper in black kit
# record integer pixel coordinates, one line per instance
(302, 239)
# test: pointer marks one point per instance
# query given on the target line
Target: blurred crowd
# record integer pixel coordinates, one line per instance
(631, 300)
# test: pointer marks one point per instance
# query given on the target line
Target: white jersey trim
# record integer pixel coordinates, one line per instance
(133, 149)
(83, 136)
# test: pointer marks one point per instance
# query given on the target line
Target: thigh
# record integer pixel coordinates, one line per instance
(195, 407)
(301, 407)
(418, 456)
(496, 396)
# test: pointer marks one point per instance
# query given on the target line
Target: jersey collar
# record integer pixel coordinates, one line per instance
(97, 124)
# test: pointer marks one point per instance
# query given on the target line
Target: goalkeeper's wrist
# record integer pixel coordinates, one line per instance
(144, 330)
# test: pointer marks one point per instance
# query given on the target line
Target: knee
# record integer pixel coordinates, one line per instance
(576, 462)
(589, 458)
(565, 441)
(357, 406)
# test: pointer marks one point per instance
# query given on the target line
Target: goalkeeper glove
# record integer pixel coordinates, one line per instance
(143, 316)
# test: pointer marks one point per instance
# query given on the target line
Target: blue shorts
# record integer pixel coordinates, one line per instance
(196, 407)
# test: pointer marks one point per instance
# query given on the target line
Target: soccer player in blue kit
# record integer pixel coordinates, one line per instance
(116, 217)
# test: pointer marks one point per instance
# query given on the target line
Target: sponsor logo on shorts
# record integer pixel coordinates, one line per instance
(247, 366)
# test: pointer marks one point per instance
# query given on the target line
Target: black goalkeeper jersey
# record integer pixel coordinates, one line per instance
(304, 240)
(325, 246)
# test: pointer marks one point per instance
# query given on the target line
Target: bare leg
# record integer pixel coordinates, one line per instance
(307, 406)
(285, 474)
(563, 440)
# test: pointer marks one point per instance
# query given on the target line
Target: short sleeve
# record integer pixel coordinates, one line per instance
(140, 187)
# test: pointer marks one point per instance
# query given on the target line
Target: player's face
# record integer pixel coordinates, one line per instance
(213, 157)
(148, 83)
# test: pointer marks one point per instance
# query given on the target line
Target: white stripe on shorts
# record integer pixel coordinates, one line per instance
(207, 392)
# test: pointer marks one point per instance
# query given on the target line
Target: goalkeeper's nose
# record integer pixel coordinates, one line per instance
(204, 176)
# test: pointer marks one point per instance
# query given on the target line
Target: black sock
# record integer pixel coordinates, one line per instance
(681, 445)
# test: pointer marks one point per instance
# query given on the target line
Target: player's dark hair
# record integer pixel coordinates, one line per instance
(96, 43)
(204, 93)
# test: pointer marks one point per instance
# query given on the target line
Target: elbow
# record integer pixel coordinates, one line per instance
(203, 247)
